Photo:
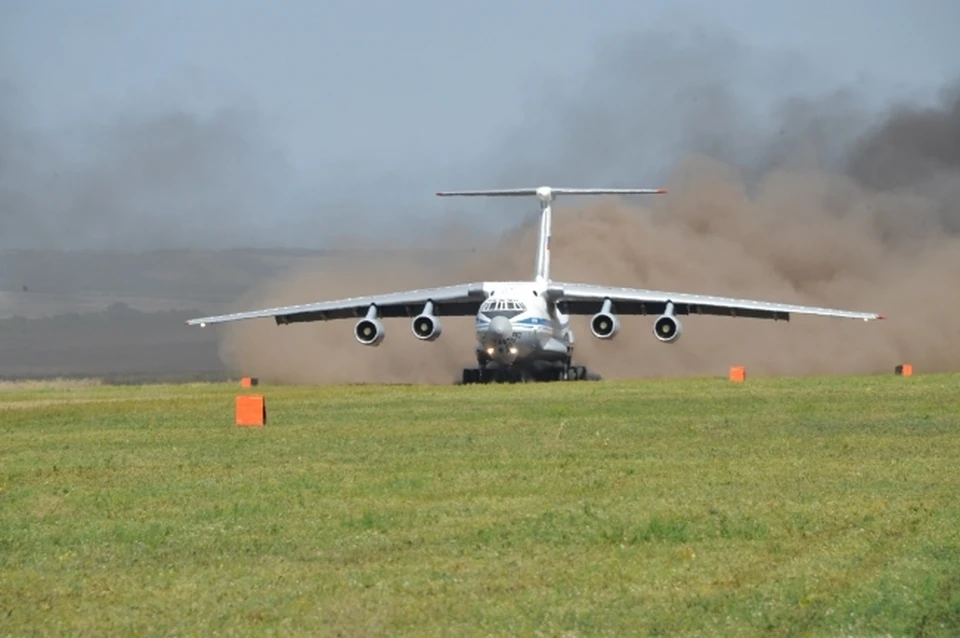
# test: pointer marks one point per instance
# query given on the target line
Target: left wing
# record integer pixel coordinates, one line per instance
(586, 299)
(452, 301)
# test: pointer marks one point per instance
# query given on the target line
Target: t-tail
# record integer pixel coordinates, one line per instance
(546, 195)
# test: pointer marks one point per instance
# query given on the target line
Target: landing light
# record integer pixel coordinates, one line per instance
(513, 350)
(489, 350)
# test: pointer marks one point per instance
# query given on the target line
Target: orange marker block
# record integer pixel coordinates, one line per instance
(738, 374)
(251, 411)
(904, 370)
(249, 382)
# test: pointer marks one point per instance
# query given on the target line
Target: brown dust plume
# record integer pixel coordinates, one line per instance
(852, 238)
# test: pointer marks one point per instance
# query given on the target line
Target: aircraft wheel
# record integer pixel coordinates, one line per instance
(551, 374)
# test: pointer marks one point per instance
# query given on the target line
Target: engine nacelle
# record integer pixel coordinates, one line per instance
(667, 328)
(369, 332)
(604, 325)
(426, 327)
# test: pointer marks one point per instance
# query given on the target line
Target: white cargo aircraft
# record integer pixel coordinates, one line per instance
(523, 327)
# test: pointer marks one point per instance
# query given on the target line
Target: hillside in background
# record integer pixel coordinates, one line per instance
(40, 283)
(118, 343)
(36, 284)
(121, 316)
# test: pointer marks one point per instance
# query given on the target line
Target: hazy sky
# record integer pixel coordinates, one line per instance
(354, 91)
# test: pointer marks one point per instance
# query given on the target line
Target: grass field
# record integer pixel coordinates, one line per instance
(783, 506)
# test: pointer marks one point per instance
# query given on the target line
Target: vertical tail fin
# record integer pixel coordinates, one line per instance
(546, 196)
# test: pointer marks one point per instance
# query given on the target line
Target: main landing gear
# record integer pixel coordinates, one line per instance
(511, 375)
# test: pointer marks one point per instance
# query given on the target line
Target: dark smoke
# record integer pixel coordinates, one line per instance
(149, 179)
(916, 150)
(138, 182)
(911, 147)
(168, 178)
(816, 198)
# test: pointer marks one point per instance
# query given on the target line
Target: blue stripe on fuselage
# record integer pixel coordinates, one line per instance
(528, 321)
(533, 321)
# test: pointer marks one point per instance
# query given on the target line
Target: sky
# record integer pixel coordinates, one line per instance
(353, 97)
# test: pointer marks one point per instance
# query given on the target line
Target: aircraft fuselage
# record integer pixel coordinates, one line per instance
(516, 327)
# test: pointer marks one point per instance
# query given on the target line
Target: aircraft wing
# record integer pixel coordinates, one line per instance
(586, 299)
(452, 301)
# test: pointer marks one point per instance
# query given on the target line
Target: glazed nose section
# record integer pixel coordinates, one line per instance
(500, 327)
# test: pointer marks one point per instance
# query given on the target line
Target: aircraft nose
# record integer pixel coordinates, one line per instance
(500, 327)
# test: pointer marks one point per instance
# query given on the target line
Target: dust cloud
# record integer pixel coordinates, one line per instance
(827, 204)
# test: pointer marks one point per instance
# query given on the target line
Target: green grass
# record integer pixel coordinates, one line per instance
(690, 507)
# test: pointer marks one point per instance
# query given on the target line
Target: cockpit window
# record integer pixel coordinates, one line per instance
(501, 307)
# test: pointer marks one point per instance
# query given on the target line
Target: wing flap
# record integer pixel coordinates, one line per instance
(585, 299)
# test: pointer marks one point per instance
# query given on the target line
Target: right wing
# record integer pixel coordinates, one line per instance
(460, 300)
(587, 299)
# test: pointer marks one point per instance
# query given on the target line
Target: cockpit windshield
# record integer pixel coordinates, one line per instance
(502, 307)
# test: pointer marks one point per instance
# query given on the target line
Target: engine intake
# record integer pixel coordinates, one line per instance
(369, 332)
(426, 327)
(667, 328)
(604, 325)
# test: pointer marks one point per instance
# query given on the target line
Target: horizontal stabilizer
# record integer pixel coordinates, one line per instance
(609, 191)
(509, 192)
(549, 192)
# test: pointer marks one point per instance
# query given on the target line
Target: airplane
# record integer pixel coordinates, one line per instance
(523, 328)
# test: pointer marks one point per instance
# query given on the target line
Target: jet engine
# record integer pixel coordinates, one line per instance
(369, 331)
(426, 327)
(667, 327)
(605, 324)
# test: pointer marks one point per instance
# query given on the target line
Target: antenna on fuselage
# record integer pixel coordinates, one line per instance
(546, 195)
